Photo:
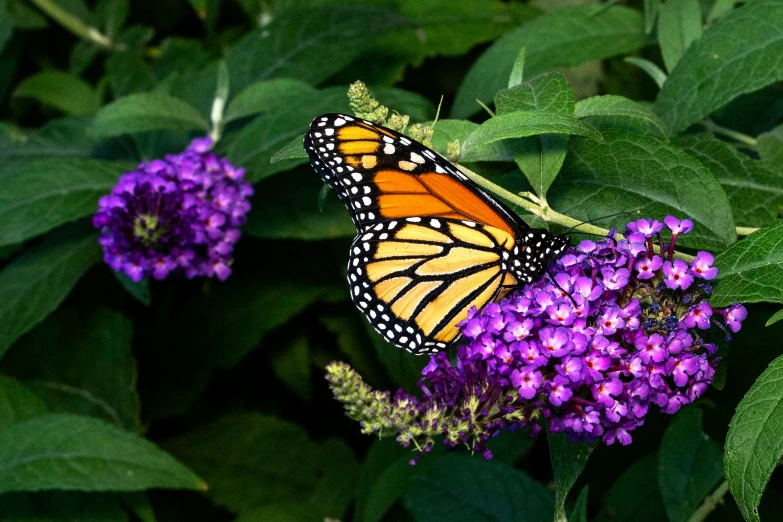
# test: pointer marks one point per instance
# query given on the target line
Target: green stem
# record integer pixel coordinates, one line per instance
(75, 24)
(545, 212)
(710, 503)
(745, 231)
(737, 136)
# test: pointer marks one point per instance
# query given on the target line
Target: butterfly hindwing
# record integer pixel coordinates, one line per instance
(415, 279)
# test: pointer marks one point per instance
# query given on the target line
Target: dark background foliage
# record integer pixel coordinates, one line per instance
(123, 401)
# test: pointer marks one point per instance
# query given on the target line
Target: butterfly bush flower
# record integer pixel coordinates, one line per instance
(620, 331)
(180, 214)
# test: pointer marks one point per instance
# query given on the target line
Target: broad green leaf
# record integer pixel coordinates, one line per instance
(282, 512)
(286, 207)
(139, 504)
(250, 460)
(17, 402)
(128, 73)
(770, 147)
(719, 9)
(6, 24)
(391, 484)
(568, 460)
(292, 366)
(754, 191)
(450, 130)
(63, 451)
(634, 496)
(718, 67)
(47, 193)
(651, 8)
(631, 172)
(460, 488)
(652, 70)
(111, 15)
(679, 25)
(561, 37)
(60, 137)
(579, 513)
(64, 91)
(690, 465)
(25, 16)
(382, 454)
(750, 270)
(539, 157)
(146, 112)
(267, 95)
(521, 124)
(293, 151)
(517, 70)
(139, 291)
(80, 361)
(619, 113)
(308, 45)
(754, 443)
(36, 282)
(61, 506)
(352, 340)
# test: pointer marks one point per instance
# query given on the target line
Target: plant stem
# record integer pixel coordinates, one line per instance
(737, 136)
(543, 210)
(75, 24)
(745, 231)
(711, 501)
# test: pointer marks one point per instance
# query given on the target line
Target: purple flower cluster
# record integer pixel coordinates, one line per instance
(177, 214)
(617, 331)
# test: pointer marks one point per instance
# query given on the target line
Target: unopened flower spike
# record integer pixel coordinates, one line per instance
(179, 214)
(364, 105)
(453, 151)
(618, 331)
(422, 133)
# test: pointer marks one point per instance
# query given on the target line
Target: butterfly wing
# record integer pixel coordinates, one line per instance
(416, 278)
(382, 175)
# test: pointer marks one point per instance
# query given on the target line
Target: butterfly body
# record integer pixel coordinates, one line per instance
(430, 243)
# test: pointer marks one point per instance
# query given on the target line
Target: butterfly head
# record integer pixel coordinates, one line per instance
(534, 251)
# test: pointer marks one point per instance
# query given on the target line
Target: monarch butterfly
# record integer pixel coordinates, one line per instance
(430, 243)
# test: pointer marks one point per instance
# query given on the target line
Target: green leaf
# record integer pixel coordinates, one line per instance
(308, 45)
(293, 151)
(679, 25)
(391, 484)
(6, 25)
(36, 282)
(634, 497)
(561, 37)
(61, 90)
(629, 172)
(651, 8)
(652, 70)
(690, 465)
(139, 291)
(80, 361)
(146, 112)
(770, 147)
(568, 460)
(267, 95)
(128, 73)
(286, 207)
(450, 130)
(353, 342)
(719, 67)
(777, 316)
(17, 402)
(61, 506)
(460, 488)
(539, 157)
(250, 460)
(282, 512)
(527, 123)
(754, 191)
(63, 451)
(749, 271)
(754, 443)
(719, 9)
(47, 193)
(579, 513)
(25, 16)
(619, 113)
(518, 70)
(292, 366)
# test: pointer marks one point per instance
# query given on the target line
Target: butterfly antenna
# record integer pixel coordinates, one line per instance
(629, 214)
